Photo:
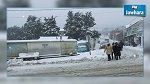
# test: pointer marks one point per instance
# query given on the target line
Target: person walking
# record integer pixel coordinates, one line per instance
(121, 44)
(112, 55)
(117, 51)
(108, 50)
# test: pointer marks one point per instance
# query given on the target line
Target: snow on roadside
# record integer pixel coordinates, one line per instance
(133, 51)
(128, 52)
(80, 62)
(85, 56)
(138, 48)
(96, 54)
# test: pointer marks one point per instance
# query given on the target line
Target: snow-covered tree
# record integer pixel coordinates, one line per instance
(77, 24)
(88, 20)
(32, 27)
(14, 33)
(73, 25)
(50, 27)
(94, 34)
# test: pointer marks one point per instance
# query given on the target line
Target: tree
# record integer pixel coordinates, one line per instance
(77, 24)
(73, 25)
(14, 33)
(94, 34)
(32, 27)
(89, 22)
(49, 27)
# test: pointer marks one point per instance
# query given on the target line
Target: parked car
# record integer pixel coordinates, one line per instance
(103, 44)
(83, 46)
(107, 40)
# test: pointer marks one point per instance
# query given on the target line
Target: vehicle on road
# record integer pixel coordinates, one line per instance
(103, 44)
(83, 46)
(107, 40)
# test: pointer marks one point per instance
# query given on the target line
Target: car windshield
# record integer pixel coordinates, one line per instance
(82, 49)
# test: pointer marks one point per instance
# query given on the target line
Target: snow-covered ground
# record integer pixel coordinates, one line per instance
(95, 55)
(85, 56)
(84, 64)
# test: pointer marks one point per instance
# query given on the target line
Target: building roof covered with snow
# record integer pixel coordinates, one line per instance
(43, 39)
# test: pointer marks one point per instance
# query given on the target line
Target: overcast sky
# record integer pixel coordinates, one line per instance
(104, 17)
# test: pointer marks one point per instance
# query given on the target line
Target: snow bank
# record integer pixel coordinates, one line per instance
(133, 51)
(95, 55)
(134, 48)
(99, 55)
(14, 62)
(80, 62)
(27, 55)
(81, 57)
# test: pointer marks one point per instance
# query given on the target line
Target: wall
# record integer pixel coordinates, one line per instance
(13, 49)
(51, 47)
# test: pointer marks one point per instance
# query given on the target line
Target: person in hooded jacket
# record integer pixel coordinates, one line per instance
(108, 50)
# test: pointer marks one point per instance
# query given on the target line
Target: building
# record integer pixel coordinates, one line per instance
(134, 33)
(117, 34)
(45, 46)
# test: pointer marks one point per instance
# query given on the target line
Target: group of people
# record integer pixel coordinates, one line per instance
(113, 50)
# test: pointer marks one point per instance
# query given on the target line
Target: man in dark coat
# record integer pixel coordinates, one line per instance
(121, 44)
(117, 51)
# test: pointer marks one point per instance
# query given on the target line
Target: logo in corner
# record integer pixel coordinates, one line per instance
(135, 10)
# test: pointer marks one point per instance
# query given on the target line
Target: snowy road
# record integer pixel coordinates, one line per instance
(95, 68)
(96, 64)
(80, 70)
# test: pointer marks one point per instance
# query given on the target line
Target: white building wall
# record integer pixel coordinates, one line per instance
(54, 47)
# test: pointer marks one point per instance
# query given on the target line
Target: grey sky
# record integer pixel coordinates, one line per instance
(52, 4)
(100, 24)
(104, 17)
